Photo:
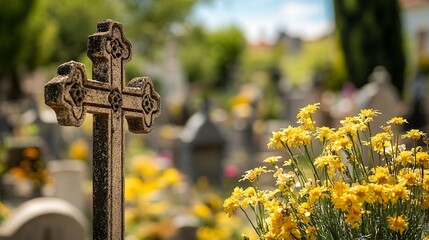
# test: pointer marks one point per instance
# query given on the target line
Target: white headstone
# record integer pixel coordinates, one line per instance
(45, 219)
(68, 178)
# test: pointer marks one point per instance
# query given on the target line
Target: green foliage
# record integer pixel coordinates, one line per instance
(24, 35)
(151, 22)
(370, 35)
(313, 55)
(37, 32)
(211, 59)
(77, 19)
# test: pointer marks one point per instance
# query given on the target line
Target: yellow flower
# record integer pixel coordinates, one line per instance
(405, 157)
(379, 193)
(397, 121)
(79, 150)
(32, 153)
(397, 223)
(275, 141)
(339, 141)
(295, 136)
(133, 186)
(380, 175)
(316, 194)
(354, 218)
(331, 162)
(252, 175)
(4, 211)
(367, 115)
(18, 172)
(284, 182)
(208, 233)
(202, 211)
(273, 160)
(381, 141)
(347, 201)
(306, 111)
(351, 125)
(399, 191)
(414, 134)
(171, 176)
(407, 176)
(304, 211)
(310, 232)
(361, 192)
(144, 167)
(323, 133)
(304, 116)
(232, 203)
(422, 158)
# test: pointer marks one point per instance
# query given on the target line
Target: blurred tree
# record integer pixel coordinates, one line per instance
(26, 39)
(151, 22)
(77, 19)
(211, 59)
(370, 35)
(36, 32)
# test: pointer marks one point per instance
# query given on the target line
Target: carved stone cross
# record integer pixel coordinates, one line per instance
(71, 95)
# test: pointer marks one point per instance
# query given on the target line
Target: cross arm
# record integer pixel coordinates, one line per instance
(65, 94)
(141, 104)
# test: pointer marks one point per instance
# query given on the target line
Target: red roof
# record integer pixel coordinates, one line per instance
(413, 3)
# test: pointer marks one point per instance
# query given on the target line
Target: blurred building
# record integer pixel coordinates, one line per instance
(415, 20)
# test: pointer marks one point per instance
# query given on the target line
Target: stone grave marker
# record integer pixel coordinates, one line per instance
(24, 173)
(380, 94)
(45, 219)
(201, 149)
(71, 95)
(68, 177)
(187, 226)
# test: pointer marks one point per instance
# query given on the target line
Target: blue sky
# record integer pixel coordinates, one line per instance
(262, 19)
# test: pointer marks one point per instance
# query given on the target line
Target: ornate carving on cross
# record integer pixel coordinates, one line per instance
(71, 95)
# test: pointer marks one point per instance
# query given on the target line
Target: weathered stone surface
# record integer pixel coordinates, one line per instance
(72, 95)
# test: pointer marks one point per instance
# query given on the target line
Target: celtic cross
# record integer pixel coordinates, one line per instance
(71, 95)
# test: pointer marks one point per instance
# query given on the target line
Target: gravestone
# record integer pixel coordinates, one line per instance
(24, 170)
(187, 226)
(71, 95)
(45, 219)
(201, 149)
(380, 94)
(68, 177)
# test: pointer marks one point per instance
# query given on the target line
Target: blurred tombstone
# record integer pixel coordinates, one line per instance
(48, 129)
(201, 149)
(45, 219)
(51, 133)
(68, 179)
(380, 94)
(25, 170)
(186, 227)
(296, 99)
(416, 114)
(5, 126)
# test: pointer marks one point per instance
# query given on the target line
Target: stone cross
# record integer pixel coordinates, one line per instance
(71, 95)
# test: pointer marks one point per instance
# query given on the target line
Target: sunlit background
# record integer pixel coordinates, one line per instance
(228, 72)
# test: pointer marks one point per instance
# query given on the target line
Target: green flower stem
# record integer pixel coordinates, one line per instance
(311, 162)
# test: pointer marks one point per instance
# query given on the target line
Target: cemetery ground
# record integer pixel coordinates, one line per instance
(176, 177)
(171, 182)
